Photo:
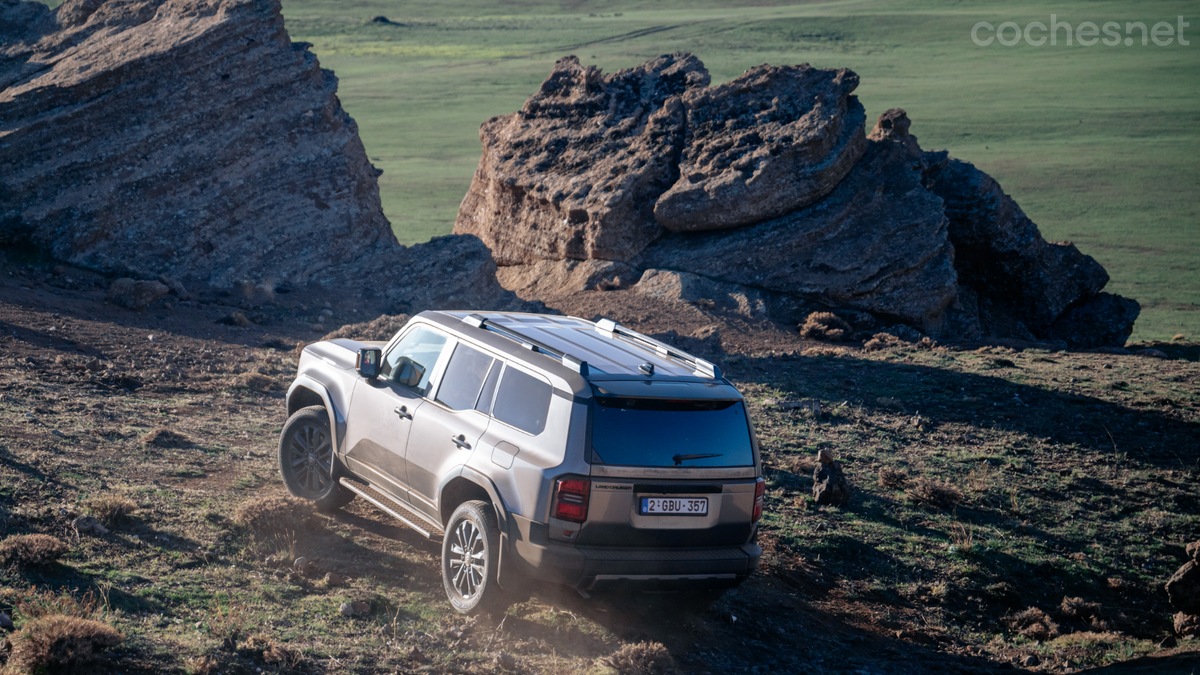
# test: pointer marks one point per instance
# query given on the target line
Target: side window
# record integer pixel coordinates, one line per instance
(522, 401)
(412, 360)
(464, 378)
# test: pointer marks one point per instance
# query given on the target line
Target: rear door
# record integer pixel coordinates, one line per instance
(670, 473)
(447, 428)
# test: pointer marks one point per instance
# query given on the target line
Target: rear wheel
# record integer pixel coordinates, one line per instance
(470, 557)
(307, 462)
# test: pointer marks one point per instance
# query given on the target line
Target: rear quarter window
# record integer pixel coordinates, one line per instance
(522, 400)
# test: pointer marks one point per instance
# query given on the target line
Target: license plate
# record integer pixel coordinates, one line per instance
(674, 506)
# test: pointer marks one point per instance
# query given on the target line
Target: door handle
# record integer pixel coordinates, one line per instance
(461, 441)
(402, 411)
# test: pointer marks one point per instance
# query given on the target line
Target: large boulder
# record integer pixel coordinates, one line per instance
(194, 139)
(766, 144)
(1183, 588)
(575, 173)
(878, 243)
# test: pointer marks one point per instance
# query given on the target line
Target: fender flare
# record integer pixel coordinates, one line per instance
(507, 573)
(337, 420)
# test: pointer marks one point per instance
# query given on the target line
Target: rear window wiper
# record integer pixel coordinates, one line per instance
(679, 459)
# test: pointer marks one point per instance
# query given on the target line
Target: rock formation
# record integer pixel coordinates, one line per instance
(768, 183)
(193, 139)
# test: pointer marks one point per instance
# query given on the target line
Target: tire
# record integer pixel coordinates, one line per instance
(470, 559)
(307, 462)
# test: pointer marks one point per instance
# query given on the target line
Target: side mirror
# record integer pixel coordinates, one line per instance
(408, 372)
(367, 362)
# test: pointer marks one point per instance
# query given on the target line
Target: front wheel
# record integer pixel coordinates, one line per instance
(470, 557)
(306, 459)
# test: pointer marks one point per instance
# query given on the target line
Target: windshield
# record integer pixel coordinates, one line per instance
(666, 432)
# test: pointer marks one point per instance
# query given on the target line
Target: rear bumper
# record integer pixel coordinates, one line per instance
(528, 550)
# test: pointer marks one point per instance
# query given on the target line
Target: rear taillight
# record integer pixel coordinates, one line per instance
(760, 491)
(571, 499)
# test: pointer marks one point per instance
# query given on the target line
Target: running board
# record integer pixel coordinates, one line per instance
(394, 508)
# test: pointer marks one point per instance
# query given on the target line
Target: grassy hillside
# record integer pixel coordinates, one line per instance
(1098, 144)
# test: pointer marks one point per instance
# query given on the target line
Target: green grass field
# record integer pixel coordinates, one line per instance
(1098, 144)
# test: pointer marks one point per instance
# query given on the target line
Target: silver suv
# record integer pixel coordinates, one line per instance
(534, 447)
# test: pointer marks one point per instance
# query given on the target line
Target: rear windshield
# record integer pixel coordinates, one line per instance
(662, 432)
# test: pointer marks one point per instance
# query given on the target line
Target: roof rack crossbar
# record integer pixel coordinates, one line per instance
(578, 365)
(612, 329)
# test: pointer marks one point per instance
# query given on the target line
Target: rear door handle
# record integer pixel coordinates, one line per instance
(402, 411)
(461, 441)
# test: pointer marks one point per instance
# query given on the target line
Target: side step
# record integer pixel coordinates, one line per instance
(395, 509)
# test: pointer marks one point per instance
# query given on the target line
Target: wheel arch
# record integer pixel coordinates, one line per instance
(306, 392)
(470, 484)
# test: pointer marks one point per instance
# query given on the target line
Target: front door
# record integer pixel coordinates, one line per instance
(382, 410)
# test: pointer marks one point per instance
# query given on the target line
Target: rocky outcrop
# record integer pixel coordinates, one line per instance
(575, 173)
(766, 144)
(877, 243)
(768, 183)
(193, 139)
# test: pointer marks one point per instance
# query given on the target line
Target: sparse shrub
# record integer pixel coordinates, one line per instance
(642, 658)
(1084, 611)
(892, 479)
(934, 493)
(274, 517)
(285, 658)
(60, 644)
(163, 437)
(31, 550)
(110, 511)
(881, 341)
(827, 327)
(1033, 623)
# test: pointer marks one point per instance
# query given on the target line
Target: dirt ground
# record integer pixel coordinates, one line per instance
(1076, 477)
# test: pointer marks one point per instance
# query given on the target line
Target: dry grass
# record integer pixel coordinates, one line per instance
(31, 550)
(936, 493)
(882, 341)
(275, 518)
(201, 665)
(60, 644)
(641, 658)
(823, 351)
(110, 511)
(33, 602)
(163, 437)
(892, 479)
(382, 328)
(1033, 623)
(254, 382)
(827, 327)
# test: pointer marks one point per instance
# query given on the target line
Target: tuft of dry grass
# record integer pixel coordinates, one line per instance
(823, 351)
(31, 550)
(254, 382)
(60, 644)
(382, 328)
(1033, 623)
(163, 437)
(202, 665)
(827, 327)
(641, 658)
(32, 602)
(892, 479)
(110, 511)
(936, 493)
(275, 517)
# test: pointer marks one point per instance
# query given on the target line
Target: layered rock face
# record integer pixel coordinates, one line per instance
(768, 182)
(192, 138)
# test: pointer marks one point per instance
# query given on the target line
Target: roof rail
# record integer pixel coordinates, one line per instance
(702, 368)
(569, 361)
